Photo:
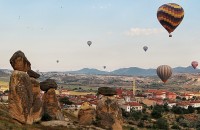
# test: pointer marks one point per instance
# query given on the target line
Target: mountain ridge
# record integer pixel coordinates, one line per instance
(131, 71)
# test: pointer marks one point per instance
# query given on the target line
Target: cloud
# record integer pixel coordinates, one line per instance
(144, 31)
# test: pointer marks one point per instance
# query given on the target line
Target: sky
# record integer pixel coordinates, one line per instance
(51, 30)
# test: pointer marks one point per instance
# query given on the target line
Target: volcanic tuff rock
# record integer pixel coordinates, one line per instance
(47, 84)
(37, 107)
(109, 115)
(51, 105)
(20, 97)
(33, 74)
(86, 114)
(19, 62)
(107, 91)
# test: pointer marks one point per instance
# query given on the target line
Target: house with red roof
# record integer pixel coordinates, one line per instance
(184, 104)
(186, 96)
(195, 104)
(160, 95)
(171, 95)
(131, 105)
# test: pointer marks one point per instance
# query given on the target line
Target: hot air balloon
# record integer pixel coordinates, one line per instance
(145, 48)
(104, 67)
(170, 16)
(194, 64)
(57, 61)
(164, 72)
(89, 43)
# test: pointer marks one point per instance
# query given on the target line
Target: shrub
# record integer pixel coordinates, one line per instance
(162, 124)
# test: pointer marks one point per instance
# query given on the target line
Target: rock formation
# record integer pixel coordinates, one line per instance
(109, 115)
(25, 104)
(47, 84)
(37, 107)
(19, 62)
(33, 74)
(107, 91)
(86, 114)
(51, 105)
(20, 97)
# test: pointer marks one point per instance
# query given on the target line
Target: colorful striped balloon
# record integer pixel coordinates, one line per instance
(170, 16)
(164, 72)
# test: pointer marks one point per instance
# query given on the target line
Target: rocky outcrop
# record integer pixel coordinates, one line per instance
(51, 105)
(86, 114)
(107, 91)
(19, 62)
(20, 97)
(47, 84)
(109, 115)
(33, 74)
(37, 107)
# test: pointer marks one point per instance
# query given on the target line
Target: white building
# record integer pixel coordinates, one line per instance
(131, 105)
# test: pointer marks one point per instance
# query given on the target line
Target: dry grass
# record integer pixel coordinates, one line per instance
(80, 93)
(4, 85)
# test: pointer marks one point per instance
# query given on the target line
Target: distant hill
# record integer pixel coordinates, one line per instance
(4, 72)
(188, 69)
(134, 71)
(88, 71)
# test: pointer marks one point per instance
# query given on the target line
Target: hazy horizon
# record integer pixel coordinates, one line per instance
(51, 30)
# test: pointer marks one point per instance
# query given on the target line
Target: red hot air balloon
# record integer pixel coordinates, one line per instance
(164, 72)
(194, 64)
(170, 16)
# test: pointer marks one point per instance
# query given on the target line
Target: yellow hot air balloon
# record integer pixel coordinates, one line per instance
(164, 72)
(170, 16)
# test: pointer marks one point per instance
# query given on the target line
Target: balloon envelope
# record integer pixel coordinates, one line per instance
(194, 64)
(57, 61)
(104, 67)
(164, 72)
(89, 43)
(145, 48)
(170, 16)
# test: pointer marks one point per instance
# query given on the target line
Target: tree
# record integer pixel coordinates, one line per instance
(166, 108)
(175, 126)
(184, 99)
(162, 123)
(156, 114)
(140, 124)
(177, 110)
(6, 91)
(191, 109)
(65, 100)
(135, 115)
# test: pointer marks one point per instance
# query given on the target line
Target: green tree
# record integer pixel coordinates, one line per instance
(191, 109)
(156, 114)
(166, 108)
(176, 127)
(162, 123)
(135, 115)
(177, 110)
(65, 100)
(140, 124)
